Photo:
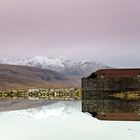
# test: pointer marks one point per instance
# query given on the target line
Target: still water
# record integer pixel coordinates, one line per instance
(62, 120)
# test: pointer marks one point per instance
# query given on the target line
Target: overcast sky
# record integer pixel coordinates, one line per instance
(107, 31)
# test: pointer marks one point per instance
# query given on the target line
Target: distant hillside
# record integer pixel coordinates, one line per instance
(21, 77)
(61, 65)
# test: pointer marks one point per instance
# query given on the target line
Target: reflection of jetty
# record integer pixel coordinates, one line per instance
(112, 94)
(37, 94)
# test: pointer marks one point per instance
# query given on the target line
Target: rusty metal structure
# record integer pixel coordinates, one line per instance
(112, 94)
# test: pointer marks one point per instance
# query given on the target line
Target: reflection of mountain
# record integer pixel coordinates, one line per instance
(63, 121)
(12, 76)
(36, 108)
(61, 65)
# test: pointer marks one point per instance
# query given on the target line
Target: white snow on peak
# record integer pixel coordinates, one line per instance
(4, 60)
(40, 60)
(60, 64)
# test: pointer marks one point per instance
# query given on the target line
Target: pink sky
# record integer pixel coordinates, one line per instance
(107, 31)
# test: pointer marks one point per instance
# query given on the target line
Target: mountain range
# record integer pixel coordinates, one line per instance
(61, 65)
(44, 72)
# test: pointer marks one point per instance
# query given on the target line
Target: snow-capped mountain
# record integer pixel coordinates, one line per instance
(61, 65)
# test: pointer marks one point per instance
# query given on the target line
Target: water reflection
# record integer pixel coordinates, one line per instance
(62, 121)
